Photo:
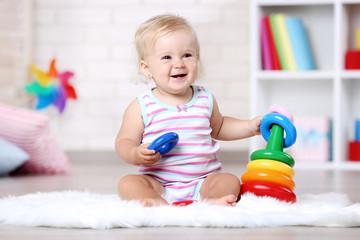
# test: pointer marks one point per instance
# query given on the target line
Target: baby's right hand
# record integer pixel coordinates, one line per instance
(146, 157)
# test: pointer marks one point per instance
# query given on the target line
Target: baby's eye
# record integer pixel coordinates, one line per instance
(166, 57)
(187, 55)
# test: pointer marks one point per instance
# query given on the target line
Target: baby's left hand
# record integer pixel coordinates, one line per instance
(254, 125)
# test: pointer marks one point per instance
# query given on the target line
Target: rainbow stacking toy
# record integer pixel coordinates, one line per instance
(270, 171)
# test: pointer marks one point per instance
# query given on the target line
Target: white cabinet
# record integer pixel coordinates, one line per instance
(330, 90)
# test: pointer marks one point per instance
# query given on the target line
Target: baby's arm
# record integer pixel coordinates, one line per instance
(127, 143)
(228, 128)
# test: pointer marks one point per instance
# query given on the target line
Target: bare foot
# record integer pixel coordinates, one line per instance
(153, 202)
(228, 200)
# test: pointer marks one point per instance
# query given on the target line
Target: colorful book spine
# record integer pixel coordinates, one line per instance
(265, 46)
(285, 42)
(300, 44)
(273, 52)
(278, 45)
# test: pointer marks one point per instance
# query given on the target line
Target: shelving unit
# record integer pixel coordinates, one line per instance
(330, 90)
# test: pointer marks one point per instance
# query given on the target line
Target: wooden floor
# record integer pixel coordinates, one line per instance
(99, 172)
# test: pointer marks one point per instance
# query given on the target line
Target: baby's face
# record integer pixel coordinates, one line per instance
(173, 61)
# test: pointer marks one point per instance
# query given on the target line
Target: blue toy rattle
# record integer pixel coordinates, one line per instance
(164, 143)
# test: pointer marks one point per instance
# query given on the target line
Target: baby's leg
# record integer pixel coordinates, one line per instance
(220, 189)
(144, 188)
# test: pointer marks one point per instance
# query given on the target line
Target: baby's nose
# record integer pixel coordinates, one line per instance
(179, 64)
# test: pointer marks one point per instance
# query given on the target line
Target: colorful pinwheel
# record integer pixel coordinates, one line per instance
(51, 87)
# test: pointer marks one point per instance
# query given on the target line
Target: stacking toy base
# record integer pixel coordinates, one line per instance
(262, 189)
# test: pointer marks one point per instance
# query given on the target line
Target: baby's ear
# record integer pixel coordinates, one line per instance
(145, 70)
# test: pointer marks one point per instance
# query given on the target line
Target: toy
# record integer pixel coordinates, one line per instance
(164, 143)
(269, 189)
(268, 176)
(276, 108)
(51, 87)
(271, 165)
(270, 171)
(183, 203)
(278, 123)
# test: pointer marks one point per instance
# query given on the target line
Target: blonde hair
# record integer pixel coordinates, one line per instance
(156, 27)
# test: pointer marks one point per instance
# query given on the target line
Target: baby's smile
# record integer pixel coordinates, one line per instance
(178, 75)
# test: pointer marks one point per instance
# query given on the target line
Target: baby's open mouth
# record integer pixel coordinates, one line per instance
(178, 75)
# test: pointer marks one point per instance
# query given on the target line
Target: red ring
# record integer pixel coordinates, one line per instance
(183, 203)
(268, 189)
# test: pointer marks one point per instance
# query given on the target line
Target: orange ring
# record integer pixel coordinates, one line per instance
(271, 165)
(268, 176)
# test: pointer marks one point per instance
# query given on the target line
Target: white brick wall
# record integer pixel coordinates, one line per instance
(94, 38)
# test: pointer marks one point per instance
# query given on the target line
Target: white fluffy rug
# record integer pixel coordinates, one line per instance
(73, 209)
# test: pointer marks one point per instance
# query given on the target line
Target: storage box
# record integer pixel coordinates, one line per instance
(354, 151)
(313, 143)
(352, 59)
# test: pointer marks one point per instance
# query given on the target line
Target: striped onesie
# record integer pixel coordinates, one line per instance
(183, 169)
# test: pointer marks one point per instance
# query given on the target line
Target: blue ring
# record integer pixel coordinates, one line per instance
(164, 143)
(281, 120)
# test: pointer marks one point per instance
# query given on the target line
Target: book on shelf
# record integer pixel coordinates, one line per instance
(285, 44)
(265, 46)
(277, 41)
(300, 44)
(267, 37)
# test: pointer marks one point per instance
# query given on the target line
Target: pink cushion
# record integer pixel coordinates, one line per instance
(30, 130)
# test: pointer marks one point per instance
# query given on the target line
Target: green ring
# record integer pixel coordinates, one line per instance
(273, 155)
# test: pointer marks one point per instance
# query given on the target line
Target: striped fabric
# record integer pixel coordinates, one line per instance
(194, 156)
(183, 191)
(30, 131)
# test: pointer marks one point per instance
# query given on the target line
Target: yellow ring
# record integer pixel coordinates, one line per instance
(272, 165)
